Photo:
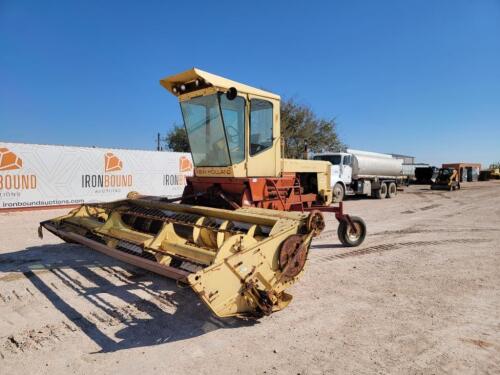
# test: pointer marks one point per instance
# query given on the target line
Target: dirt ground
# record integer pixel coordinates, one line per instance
(420, 296)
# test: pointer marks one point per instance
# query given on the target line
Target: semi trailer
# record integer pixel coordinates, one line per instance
(358, 172)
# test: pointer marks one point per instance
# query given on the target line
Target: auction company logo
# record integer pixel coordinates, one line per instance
(111, 164)
(185, 167)
(9, 161)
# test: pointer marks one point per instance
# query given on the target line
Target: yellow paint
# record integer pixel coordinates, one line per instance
(268, 163)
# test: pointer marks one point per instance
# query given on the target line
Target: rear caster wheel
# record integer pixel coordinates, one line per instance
(350, 236)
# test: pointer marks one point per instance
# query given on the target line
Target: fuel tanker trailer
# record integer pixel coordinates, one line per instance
(240, 233)
(366, 173)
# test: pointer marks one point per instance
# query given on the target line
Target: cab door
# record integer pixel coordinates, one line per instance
(263, 148)
(346, 168)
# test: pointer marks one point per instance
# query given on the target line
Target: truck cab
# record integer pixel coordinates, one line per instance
(341, 171)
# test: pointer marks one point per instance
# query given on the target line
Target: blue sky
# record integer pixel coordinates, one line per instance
(413, 77)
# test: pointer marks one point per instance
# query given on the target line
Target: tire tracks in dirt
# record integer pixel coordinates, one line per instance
(318, 259)
(413, 230)
(17, 295)
(41, 338)
(50, 336)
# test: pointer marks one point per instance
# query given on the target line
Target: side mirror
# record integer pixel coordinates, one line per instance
(232, 93)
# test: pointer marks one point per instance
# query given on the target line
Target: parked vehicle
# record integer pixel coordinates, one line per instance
(358, 172)
(226, 239)
(409, 170)
(426, 175)
(495, 171)
(447, 179)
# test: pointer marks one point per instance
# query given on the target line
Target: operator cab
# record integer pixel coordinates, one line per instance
(233, 129)
(445, 174)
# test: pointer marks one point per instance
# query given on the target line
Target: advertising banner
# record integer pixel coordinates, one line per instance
(34, 176)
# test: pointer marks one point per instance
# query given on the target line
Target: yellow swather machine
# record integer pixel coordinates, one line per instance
(242, 232)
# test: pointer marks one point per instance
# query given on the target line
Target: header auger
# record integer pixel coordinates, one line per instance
(239, 262)
(242, 232)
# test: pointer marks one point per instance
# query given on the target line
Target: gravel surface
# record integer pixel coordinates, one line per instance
(420, 296)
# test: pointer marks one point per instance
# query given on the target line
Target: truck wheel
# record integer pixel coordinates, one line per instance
(348, 236)
(382, 192)
(392, 190)
(338, 193)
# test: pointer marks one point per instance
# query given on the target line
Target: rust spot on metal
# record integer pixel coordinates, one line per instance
(293, 255)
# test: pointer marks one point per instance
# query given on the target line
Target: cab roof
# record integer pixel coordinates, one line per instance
(210, 79)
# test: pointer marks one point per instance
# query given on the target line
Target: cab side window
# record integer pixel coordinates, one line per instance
(347, 160)
(261, 125)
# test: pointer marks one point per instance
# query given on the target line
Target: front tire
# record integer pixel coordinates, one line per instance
(349, 237)
(338, 193)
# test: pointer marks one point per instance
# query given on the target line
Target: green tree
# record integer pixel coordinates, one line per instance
(301, 126)
(177, 140)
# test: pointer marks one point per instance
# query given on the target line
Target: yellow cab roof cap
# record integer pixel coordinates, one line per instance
(210, 79)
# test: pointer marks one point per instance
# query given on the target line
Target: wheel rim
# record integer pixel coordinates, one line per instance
(337, 191)
(354, 235)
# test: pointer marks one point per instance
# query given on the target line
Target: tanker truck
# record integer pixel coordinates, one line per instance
(358, 172)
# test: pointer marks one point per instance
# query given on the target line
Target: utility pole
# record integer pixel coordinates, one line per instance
(158, 148)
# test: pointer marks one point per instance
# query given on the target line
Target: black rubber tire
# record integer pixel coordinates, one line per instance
(341, 192)
(382, 192)
(343, 232)
(392, 190)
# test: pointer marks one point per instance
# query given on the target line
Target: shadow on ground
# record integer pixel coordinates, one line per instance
(190, 317)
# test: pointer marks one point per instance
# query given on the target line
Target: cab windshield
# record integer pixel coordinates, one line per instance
(444, 175)
(215, 127)
(445, 172)
(334, 159)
